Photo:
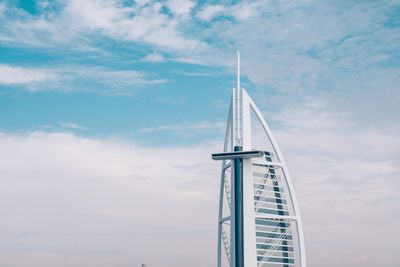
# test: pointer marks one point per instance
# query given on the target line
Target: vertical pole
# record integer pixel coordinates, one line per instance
(238, 210)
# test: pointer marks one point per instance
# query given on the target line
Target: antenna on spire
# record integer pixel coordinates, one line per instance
(238, 70)
(237, 105)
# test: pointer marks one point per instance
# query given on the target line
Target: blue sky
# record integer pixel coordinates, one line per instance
(86, 69)
(119, 92)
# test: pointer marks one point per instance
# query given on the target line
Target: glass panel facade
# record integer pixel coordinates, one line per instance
(274, 235)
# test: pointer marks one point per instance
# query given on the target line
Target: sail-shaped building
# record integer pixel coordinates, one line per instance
(259, 221)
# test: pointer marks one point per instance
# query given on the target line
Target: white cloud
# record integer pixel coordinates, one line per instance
(284, 47)
(210, 11)
(71, 25)
(72, 126)
(11, 75)
(119, 78)
(247, 10)
(70, 201)
(241, 11)
(154, 57)
(76, 78)
(191, 60)
(187, 129)
(95, 15)
(181, 8)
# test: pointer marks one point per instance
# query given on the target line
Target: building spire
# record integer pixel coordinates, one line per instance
(237, 111)
(238, 70)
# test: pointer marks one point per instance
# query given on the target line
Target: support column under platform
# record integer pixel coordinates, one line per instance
(238, 200)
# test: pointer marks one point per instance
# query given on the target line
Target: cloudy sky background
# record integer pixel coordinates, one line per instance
(109, 111)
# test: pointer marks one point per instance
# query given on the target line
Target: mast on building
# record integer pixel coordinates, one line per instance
(259, 221)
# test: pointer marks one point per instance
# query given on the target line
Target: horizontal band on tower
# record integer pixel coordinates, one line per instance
(238, 154)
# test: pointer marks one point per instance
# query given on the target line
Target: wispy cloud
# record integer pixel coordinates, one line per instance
(240, 11)
(187, 128)
(71, 22)
(153, 57)
(72, 126)
(198, 74)
(13, 75)
(181, 8)
(76, 78)
(210, 11)
(289, 53)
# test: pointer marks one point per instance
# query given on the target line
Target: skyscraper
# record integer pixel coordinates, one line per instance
(259, 221)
